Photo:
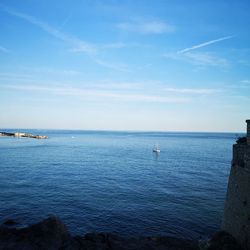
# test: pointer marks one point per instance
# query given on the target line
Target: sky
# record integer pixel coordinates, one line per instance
(162, 65)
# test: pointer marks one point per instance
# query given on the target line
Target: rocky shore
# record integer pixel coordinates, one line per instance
(52, 234)
(21, 134)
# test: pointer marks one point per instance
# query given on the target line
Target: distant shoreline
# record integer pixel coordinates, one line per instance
(22, 134)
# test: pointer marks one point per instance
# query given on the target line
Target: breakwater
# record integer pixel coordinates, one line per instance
(21, 134)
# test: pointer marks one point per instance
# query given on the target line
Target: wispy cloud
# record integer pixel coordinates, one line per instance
(4, 50)
(146, 27)
(192, 90)
(66, 19)
(97, 94)
(122, 86)
(51, 71)
(206, 59)
(114, 45)
(120, 45)
(245, 81)
(76, 44)
(15, 78)
(11, 75)
(205, 44)
(31, 74)
(199, 58)
(115, 66)
(73, 41)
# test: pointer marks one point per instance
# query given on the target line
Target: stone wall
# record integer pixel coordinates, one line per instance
(248, 131)
(236, 219)
(239, 155)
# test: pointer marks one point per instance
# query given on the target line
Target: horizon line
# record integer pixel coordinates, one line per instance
(128, 130)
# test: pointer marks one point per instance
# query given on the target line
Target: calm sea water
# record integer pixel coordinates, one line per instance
(113, 182)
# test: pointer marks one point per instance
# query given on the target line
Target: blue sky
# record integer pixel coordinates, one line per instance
(125, 65)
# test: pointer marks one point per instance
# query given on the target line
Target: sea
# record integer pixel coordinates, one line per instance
(104, 181)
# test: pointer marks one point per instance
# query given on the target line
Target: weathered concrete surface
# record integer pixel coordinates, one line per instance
(51, 234)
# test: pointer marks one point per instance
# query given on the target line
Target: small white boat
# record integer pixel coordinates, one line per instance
(156, 149)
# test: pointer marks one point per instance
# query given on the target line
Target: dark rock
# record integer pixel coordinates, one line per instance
(223, 241)
(9, 222)
(113, 242)
(48, 234)
(51, 234)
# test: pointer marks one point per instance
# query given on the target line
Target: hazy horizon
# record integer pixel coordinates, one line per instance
(125, 66)
(119, 130)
